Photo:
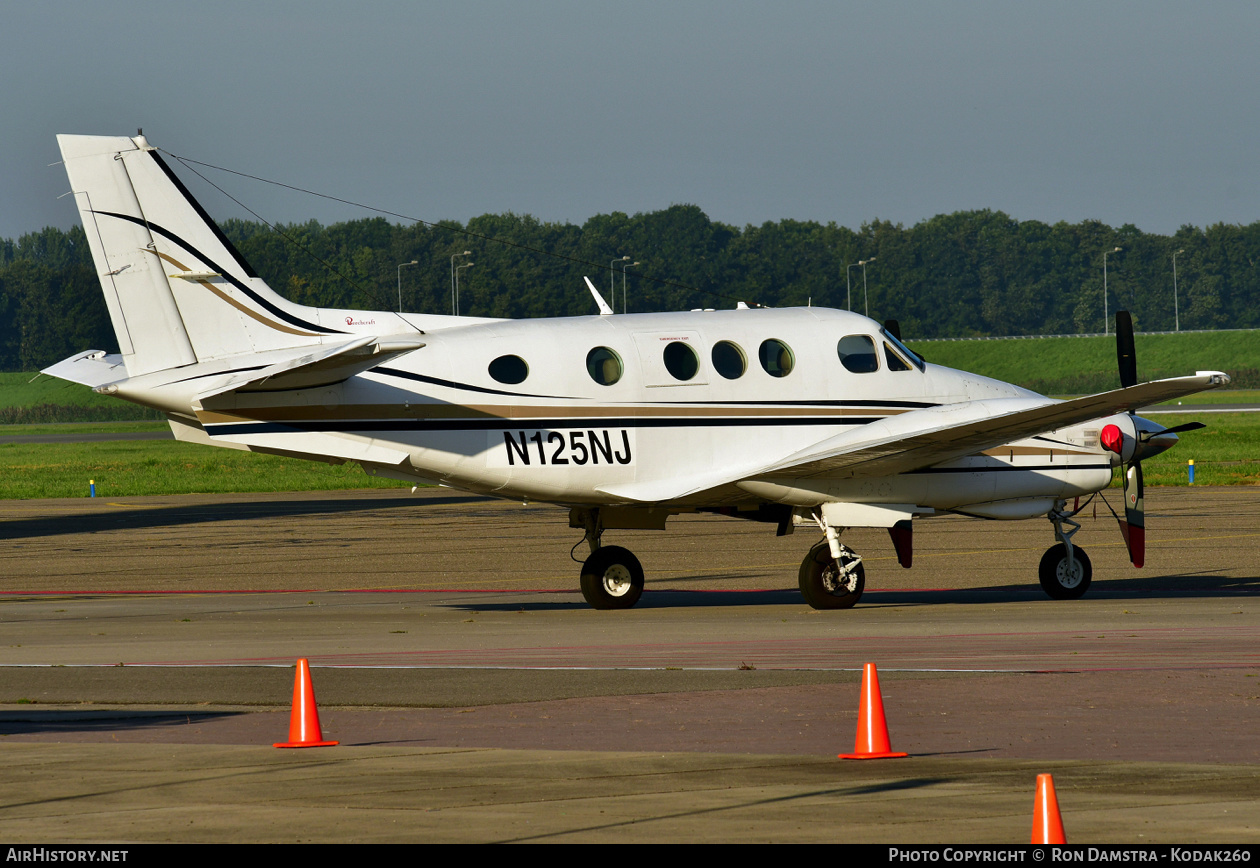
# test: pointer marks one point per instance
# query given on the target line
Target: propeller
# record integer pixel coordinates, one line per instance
(1133, 528)
(1146, 439)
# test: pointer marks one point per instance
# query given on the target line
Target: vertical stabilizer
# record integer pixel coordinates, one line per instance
(178, 292)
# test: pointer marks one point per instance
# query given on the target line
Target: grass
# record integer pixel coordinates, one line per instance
(27, 397)
(1227, 452)
(1079, 366)
(160, 467)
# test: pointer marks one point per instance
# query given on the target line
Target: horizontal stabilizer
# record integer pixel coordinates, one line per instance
(89, 368)
(321, 366)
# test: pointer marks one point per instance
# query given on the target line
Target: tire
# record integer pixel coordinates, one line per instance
(820, 580)
(1055, 579)
(612, 578)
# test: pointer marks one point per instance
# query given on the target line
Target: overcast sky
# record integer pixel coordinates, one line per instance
(1142, 112)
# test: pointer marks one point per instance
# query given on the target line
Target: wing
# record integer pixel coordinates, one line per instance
(929, 436)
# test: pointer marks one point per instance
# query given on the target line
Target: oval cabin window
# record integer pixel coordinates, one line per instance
(776, 358)
(728, 360)
(604, 366)
(680, 360)
(509, 369)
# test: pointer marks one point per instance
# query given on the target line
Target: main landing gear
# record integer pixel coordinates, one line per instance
(832, 575)
(1065, 570)
(612, 577)
(832, 583)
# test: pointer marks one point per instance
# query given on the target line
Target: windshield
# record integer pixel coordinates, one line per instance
(903, 349)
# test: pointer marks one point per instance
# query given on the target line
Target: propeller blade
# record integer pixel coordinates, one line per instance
(893, 328)
(1189, 426)
(1126, 356)
(1133, 528)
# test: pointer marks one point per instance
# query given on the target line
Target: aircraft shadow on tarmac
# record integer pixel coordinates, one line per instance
(44, 720)
(177, 515)
(1194, 585)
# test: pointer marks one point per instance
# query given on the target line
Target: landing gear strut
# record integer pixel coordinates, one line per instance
(1065, 570)
(612, 577)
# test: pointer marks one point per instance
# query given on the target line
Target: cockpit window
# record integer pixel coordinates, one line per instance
(776, 358)
(509, 369)
(680, 360)
(728, 360)
(857, 354)
(895, 362)
(604, 366)
(902, 350)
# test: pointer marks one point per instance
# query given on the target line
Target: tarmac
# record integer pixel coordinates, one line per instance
(148, 650)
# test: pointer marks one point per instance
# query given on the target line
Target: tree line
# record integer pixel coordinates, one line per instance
(973, 273)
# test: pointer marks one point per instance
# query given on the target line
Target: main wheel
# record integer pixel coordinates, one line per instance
(1057, 580)
(821, 583)
(612, 578)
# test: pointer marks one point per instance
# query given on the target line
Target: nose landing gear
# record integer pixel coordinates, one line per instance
(1065, 570)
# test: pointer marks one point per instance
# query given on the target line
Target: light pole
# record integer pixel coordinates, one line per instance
(623, 285)
(400, 268)
(454, 305)
(1176, 313)
(1106, 314)
(866, 301)
(458, 269)
(612, 277)
(848, 283)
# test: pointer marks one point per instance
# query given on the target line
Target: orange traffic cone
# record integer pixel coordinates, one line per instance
(304, 728)
(872, 730)
(1047, 824)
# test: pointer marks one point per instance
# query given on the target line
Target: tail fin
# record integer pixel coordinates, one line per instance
(178, 292)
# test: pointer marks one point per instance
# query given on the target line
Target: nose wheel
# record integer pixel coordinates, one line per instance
(612, 578)
(1064, 579)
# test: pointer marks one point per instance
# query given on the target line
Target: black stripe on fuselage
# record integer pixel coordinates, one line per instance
(451, 384)
(258, 299)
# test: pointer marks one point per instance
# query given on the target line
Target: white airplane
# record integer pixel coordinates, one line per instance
(797, 416)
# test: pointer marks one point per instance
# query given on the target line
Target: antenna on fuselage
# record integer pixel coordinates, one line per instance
(604, 309)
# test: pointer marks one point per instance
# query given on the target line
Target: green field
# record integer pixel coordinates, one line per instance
(1081, 366)
(123, 468)
(29, 397)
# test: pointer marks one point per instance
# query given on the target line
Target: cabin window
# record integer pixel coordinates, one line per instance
(776, 358)
(604, 366)
(729, 360)
(680, 360)
(857, 354)
(895, 362)
(509, 369)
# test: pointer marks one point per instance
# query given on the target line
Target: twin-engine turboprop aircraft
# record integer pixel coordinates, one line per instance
(791, 416)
